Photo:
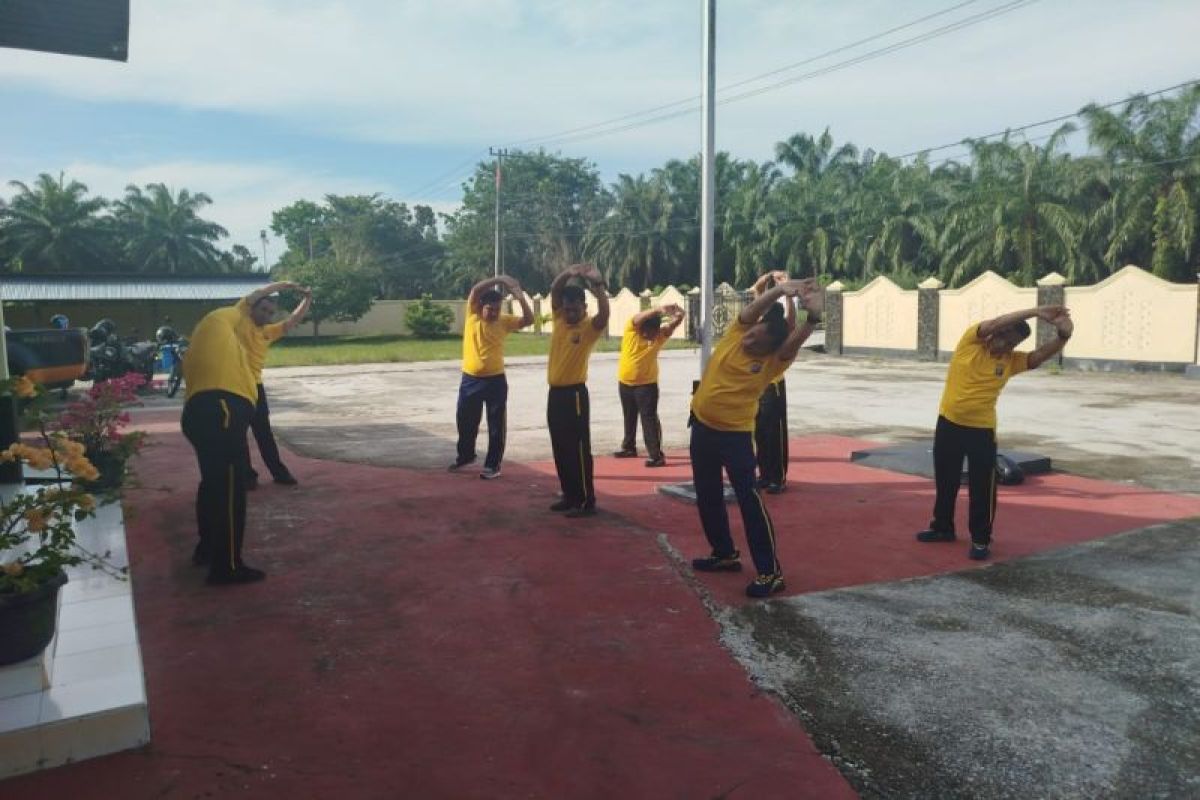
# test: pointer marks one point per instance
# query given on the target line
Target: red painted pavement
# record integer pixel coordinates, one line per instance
(841, 524)
(433, 635)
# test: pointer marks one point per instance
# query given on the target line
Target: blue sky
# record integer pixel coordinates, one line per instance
(262, 102)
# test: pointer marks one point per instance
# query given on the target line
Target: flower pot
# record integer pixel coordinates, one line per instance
(28, 619)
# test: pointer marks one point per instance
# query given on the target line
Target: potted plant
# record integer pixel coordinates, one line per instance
(97, 421)
(37, 530)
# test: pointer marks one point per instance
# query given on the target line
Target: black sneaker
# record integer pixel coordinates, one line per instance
(242, 574)
(773, 488)
(761, 483)
(201, 555)
(625, 453)
(979, 552)
(562, 505)
(716, 563)
(582, 511)
(287, 479)
(931, 535)
(766, 585)
(660, 461)
(459, 464)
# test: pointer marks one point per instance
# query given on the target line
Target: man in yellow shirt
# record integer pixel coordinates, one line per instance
(982, 363)
(568, 412)
(483, 381)
(770, 425)
(637, 379)
(221, 393)
(755, 350)
(256, 338)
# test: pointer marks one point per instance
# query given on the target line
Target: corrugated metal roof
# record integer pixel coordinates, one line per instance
(226, 287)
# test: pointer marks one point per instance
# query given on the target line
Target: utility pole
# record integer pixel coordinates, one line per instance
(262, 235)
(707, 183)
(499, 153)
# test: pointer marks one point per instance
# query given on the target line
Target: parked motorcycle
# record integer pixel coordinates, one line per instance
(112, 357)
(171, 349)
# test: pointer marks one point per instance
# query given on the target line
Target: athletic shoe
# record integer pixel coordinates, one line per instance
(287, 479)
(717, 563)
(623, 453)
(489, 474)
(773, 488)
(459, 464)
(562, 505)
(582, 511)
(761, 483)
(242, 574)
(931, 535)
(656, 462)
(979, 552)
(765, 585)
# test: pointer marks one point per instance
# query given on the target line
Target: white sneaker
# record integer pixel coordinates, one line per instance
(489, 474)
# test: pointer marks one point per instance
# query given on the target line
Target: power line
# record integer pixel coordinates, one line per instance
(975, 19)
(696, 98)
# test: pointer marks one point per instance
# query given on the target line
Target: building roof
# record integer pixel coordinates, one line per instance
(26, 288)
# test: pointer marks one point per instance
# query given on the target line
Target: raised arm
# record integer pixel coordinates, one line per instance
(297, 315)
(777, 276)
(477, 290)
(514, 288)
(1064, 327)
(560, 283)
(988, 327)
(813, 300)
(676, 313)
(269, 289)
(595, 282)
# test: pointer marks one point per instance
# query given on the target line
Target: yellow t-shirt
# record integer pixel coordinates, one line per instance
(639, 356)
(483, 344)
(570, 347)
(216, 358)
(727, 399)
(255, 340)
(974, 381)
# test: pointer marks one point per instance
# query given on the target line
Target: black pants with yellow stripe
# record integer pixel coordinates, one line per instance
(951, 443)
(216, 423)
(568, 415)
(771, 434)
(733, 451)
(641, 401)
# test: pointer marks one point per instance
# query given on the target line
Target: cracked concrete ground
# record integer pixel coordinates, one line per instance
(1070, 674)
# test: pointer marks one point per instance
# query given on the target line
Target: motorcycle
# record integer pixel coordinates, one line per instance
(111, 357)
(171, 349)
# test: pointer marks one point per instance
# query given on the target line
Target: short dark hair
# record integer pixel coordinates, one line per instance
(777, 327)
(652, 324)
(489, 297)
(573, 294)
(273, 298)
(1022, 329)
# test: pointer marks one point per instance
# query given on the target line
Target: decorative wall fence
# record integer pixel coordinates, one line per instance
(1130, 320)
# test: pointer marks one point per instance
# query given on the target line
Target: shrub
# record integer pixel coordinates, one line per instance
(427, 319)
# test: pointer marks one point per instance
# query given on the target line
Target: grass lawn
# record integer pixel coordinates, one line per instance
(302, 351)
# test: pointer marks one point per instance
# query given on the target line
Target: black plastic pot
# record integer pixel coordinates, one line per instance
(28, 619)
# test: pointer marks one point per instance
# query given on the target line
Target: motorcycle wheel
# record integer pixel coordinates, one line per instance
(174, 380)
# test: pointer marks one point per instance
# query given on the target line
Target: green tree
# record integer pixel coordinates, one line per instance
(164, 232)
(341, 292)
(1152, 147)
(52, 226)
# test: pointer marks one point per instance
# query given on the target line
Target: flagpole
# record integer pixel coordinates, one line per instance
(708, 183)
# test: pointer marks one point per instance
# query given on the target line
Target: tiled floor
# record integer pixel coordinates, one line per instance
(96, 701)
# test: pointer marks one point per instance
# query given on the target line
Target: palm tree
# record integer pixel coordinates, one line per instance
(1016, 216)
(164, 232)
(53, 227)
(635, 241)
(1154, 147)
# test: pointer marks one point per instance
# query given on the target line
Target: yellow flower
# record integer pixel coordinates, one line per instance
(23, 387)
(35, 520)
(39, 457)
(13, 569)
(82, 468)
(87, 502)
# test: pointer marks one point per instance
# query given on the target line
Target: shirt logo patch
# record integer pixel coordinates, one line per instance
(755, 367)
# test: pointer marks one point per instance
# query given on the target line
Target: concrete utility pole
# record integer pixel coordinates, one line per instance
(499, 153)
(262, 235)
(707, 183)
